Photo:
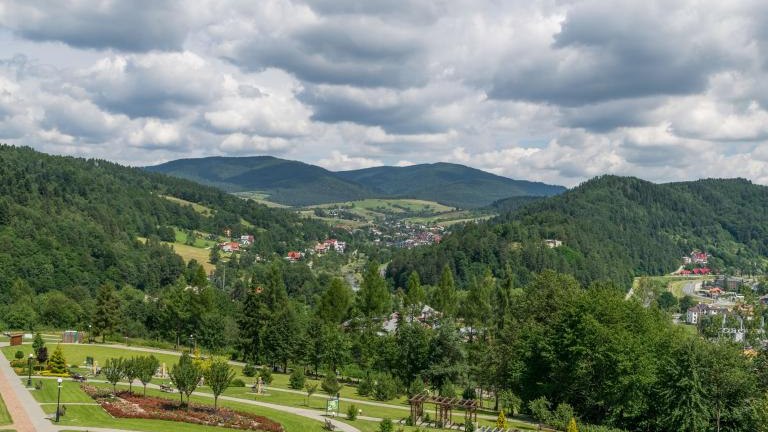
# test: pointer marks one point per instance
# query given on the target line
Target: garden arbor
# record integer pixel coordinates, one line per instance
(443, 408)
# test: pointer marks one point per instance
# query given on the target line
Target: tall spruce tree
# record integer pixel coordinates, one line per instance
(373, 298)
(107, 312)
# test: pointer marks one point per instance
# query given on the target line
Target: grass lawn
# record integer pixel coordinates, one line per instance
(95, 416)
(5, 418)
(75, 354)
(188, 253)
(205, 211)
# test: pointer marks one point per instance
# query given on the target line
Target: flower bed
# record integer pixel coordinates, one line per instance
(129, 405)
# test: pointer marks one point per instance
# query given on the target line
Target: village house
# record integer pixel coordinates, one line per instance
(552, 243)
(246, 240)
(696, 313)
(294, 256)
(230, 247)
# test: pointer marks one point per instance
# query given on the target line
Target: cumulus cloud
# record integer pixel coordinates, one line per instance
(99, 24)
(550, 91)
(340, 162)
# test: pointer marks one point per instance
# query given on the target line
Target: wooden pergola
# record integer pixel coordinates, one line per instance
(443, 408)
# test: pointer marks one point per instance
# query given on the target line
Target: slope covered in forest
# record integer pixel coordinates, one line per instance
(612, 228)
(70, 224)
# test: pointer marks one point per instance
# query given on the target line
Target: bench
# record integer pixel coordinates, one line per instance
(166, 388)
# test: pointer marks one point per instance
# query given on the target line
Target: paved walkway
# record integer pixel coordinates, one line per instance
(25, 411)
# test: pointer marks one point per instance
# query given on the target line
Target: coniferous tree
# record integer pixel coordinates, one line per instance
(107, 312)
(335, 302)
(446, 299)
(57, 364)
(373, 298)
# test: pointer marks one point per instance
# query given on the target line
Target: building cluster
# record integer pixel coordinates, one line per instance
(235, 245)
(330, 245)
(696, 257)
(405, 234)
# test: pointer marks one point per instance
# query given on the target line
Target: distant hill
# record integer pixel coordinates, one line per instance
(287, 182)
(612, 228)
(446, 183)
(299, 184)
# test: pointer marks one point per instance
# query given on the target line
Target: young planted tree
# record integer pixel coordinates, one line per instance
(57, 364)
(37, 344)
(311, 388)
(186, 375)
(113, 371)
(218, 376)
(330, 384)
(131, 370)
(147, 366)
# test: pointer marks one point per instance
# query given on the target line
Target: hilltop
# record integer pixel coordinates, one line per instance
(300, 184)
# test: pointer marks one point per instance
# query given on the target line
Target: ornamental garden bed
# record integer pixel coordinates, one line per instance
(125, 404)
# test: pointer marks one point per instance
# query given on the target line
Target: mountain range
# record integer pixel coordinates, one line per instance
(299, 184)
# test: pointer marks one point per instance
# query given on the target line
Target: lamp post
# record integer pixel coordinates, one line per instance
(194, 343)
(90, 333)
(58, 400)
(29, 363)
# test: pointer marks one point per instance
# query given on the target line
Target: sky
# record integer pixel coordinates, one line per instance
(556, 91)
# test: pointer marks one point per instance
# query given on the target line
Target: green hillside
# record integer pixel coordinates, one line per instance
(612, 228)
(71, 225)
(299, 184)
(450, 184)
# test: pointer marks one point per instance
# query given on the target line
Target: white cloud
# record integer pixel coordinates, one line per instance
(552, 91)
(339, 162)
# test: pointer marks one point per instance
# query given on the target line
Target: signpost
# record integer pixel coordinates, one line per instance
(332, 407)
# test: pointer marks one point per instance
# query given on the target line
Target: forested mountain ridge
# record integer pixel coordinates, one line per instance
(299, 184)
(72, 224)
(612, 228)
(447, 183)
(287, 182)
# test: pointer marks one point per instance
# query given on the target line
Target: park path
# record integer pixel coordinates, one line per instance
(26, 413)
(278, 389)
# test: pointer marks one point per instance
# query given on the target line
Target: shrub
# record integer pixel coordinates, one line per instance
(297, 379)
(385, 388)
(19, 355)
(237, 382)
(562, 415)
(366, 386)
(266, 375)
(352, 412)
(386, 425)
(39, 385)
(249, 370)
(469, 427)
(539, 409)
(447, 389)
(469, 393)
(416, 387)
(330, 384)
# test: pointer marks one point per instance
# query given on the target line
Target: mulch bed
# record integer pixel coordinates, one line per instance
(125, 404)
